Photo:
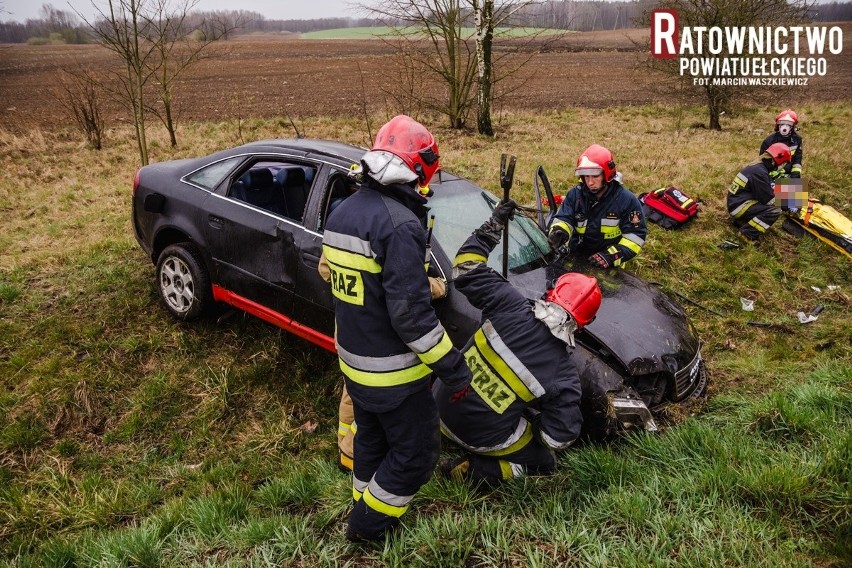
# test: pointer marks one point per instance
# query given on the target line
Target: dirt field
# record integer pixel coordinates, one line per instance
(267, 76)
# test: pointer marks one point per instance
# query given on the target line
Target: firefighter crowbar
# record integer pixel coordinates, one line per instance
(507, 174)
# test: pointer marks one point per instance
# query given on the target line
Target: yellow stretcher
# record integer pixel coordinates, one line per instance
(825, 223)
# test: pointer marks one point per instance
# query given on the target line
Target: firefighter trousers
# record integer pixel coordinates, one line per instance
(396, 454)
(532, 459)
(755, 219)
(346, 428)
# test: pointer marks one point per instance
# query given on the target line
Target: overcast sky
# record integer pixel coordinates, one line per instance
(21, 10)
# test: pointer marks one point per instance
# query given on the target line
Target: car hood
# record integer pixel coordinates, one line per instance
(637, 324)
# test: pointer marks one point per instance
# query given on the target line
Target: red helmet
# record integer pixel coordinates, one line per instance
(596, 160)
(409, 140)
(577, 294)
(788, 115)
(780, 153)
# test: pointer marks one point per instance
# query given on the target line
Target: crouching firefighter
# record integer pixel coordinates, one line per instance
(389, 340)
(751, 196)
(599, 220)
(523, 403)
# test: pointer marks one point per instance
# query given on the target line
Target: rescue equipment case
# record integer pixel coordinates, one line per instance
(668, 207)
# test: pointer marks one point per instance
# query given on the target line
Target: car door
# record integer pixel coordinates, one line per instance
(254, 231)
(313, 302)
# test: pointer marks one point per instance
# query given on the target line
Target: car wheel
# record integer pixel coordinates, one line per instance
(183, 281)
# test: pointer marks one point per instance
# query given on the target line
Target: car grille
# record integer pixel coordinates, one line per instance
(692, 379)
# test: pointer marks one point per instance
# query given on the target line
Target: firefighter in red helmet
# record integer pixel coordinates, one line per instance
(523, 403)
(787, 133)
(751, 196)
(389, 340)
(599, 220)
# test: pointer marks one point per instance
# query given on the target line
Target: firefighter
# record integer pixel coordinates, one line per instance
(787, 133)
(389, 340)
(599, 219)
(523, 402)
(751, 196)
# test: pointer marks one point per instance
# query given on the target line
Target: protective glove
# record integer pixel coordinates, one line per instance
(504, 211)
(558, 237)
(459, 395)
(437, 287)
(600, 260)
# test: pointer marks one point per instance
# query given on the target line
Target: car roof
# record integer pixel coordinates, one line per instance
(329, 148)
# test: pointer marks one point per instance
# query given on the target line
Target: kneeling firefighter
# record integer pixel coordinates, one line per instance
(523, 403)
(751, 196)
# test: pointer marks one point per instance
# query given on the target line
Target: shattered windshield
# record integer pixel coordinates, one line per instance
(458, 213)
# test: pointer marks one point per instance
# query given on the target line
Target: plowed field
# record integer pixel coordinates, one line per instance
(269, 76)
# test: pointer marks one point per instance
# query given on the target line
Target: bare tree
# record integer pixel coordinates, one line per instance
(486, 18)
(483, 17)
(725, 13)
(428, 35)
(177, 45)
(120, 30)
(433, 36)
(150, 38)
(77, 93)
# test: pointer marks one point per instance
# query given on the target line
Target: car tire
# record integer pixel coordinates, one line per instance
(183, 282)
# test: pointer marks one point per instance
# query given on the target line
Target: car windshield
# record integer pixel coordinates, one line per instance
(458, 213)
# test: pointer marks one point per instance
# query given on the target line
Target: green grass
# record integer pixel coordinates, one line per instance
(128, 439)
(386, 31)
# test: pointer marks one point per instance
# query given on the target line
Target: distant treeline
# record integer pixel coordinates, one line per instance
(579, 15)
(599, 15)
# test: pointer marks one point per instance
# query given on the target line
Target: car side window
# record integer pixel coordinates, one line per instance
(339, 187)
(276, 186)
(211, 176)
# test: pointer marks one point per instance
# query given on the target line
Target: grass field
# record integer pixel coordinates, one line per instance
(127, 439)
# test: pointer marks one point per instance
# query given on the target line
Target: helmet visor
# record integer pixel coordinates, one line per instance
(579, 172)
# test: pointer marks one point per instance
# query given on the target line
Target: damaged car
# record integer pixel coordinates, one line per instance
(244, 226)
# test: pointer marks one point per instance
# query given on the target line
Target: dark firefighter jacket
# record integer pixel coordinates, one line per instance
(516, 363)
(752, 185)
(794, 142)
(614, 225)
(388, 338)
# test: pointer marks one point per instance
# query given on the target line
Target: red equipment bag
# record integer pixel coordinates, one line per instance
(668, 207)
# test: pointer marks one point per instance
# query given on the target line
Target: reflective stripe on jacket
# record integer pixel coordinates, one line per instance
(752, 185)
(615, 224)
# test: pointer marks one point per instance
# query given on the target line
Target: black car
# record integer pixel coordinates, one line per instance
(244, 227)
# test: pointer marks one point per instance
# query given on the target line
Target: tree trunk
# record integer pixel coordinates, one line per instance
(715, 102)
(483, 19)
(137, 81)
(170, 124)
(166, 95)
